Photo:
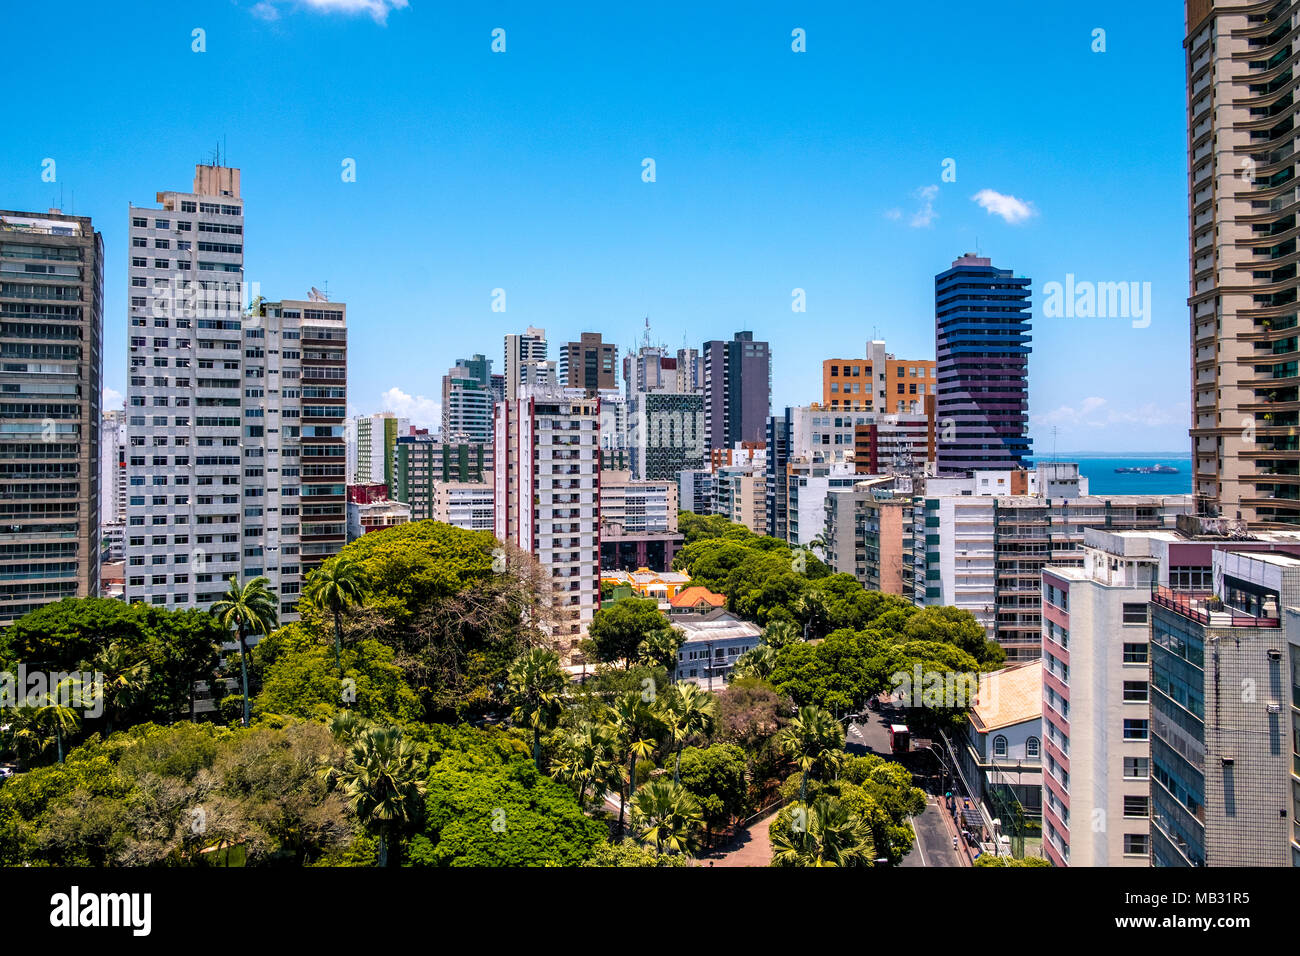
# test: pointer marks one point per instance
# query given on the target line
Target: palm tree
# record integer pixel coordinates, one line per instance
(757, 662)
(814, 740)
(125, 676)
(634, 722)
(589, 758)
(244, 610)
(25, 734)
(535, 686)
(56, 714)
(778, 634)
(810, 607)
(383, 782)
(687, 711)
(827, 834)
(666, 817)
(347, 725)
(331, 588)
(659, 649)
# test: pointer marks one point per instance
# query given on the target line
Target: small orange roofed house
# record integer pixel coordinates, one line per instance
(696, 600)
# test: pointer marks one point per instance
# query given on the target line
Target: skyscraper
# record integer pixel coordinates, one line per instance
(234, 417)
(467, 400)
(373, 439)
(981, 336)
(547, 497)
(525, 361)
(51, 324)
(1242, 202)
(737, 390)
(589, 364)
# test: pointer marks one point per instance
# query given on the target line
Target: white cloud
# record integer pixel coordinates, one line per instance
(378, 9)
(110, 398)
(1011, 209)
(926, 214)
(1095, 412)
(423, 412)
(894, 214)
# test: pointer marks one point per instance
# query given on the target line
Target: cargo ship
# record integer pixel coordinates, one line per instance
(1148, 470)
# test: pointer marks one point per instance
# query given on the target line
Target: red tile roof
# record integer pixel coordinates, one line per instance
(696, 595)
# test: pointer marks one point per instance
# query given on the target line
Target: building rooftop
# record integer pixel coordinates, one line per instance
(717, 625)
(689, 597)
(1007, 697)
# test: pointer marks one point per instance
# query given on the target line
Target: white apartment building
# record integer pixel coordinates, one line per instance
(637, 507)
(981, 542)
(465, 504)
(547, 496)
(236, 463)
(370, 441)
(525, 362)
(807, 486)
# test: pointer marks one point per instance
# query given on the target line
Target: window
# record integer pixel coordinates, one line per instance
(1135, 844)
(1137, 806)
(1135, 692)
(999, 746)
(1135, 653)
(1135, 729)
(1031, 747)
(1135, 613)
(1136, 768)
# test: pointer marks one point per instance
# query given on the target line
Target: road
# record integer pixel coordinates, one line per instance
(934, 832)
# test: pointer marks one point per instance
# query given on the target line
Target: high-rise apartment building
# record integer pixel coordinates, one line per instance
(879, 382)
(547, 497)
(807, 484)
(638, 522)
(235, 418)
(987, 538)
(590, 364)
(869, 534)
(51, 334)
(1224, 682)
(1242, 203)
(981, 333)
(112, 468)
(737, 390)
(421, 463)
(780, 437)
(666, 434)
(464, 504)
(467, 401)
(1096, 662)
(525, 362)
(651, 369)
(372, 440)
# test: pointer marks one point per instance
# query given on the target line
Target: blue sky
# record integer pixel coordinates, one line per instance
(522, 170)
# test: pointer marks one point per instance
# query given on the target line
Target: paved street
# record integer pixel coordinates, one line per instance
(934, 832)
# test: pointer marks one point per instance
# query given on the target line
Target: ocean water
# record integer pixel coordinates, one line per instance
(1102, 479)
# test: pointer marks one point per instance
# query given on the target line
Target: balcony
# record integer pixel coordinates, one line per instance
(1205, 608)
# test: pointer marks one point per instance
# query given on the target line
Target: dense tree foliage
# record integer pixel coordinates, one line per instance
(160, 653)
(488, 806)
(716, 777)
(617, 632)
(437, 598)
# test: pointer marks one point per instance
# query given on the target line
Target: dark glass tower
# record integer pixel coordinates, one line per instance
(981, 341)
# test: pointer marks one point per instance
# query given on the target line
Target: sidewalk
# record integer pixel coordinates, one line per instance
(752, 847)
